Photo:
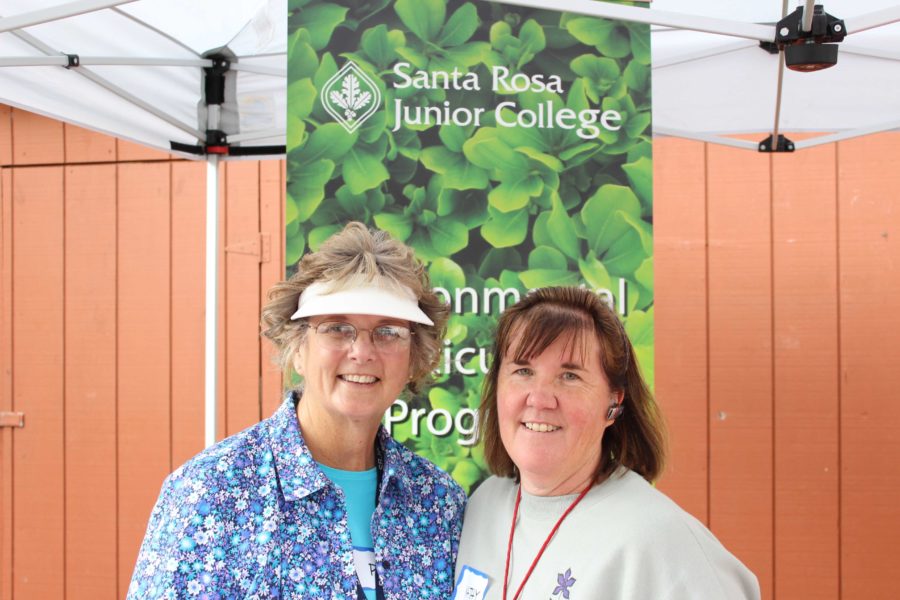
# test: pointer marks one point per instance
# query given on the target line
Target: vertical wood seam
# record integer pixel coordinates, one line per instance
(706, 316)
(12, 357)
(222, 176)
(65, 478)
(116, 378)
(840, 377)
(171, 318)
(12, 372)
(259, 286)
(773, 439)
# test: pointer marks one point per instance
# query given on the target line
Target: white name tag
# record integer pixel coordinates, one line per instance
(471, 585)
(364, 558)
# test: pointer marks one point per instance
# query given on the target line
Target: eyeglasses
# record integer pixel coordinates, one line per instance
(340, 336)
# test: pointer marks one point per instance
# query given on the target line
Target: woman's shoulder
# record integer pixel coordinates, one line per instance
(668, 538)
(495, 487)
(637, 503)
(492, 496)
(222, 490)
(420, 473)
(237, 451)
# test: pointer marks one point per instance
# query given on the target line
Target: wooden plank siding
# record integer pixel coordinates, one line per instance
(101, 341)
(869, 282)
(777, 345)
(805, 376)
(38, 368)
(90, 383)
(681, 305)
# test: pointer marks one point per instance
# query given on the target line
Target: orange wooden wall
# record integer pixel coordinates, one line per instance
(101, 305)
(778, 356)
(778, 345)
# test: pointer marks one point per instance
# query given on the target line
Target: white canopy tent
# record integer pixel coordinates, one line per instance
(136, 69)
(205, 79)
(707, 86)
(711, 78)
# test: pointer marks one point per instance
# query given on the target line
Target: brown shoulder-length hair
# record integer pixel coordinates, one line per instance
(353, 254)
(637, 438)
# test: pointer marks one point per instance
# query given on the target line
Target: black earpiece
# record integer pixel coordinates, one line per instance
(614, 412)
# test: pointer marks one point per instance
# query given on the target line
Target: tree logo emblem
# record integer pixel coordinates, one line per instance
(351, 97)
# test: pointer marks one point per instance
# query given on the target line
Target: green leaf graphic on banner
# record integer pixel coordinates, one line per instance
(307, 188)
(610, 38)
(594, 273)
(441, 398)
(448, 237)
(639, 328)
(466, 474)
(423, 17)
(488, 151)
(304, 92)
(364, 170)
(458, 173)
(296, 133)
(380, 45)
(540, 233)
(533, 41)
(637, 76)
(454, 136)
(296, 244)
(498, 259)
(626, 253)
(399, 226)
(545, 257)
(446, 274)
(515, 192)
(304, 61)
(639, 35)
(640, 175)
(599, 210)
(562, 231)
(503, 230)
(535, 278)
(320, 20)
(460, 26)
(320, 234)
(600, 74)
(328, 141)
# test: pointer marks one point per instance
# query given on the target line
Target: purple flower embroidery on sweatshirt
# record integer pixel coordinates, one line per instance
(564, 581)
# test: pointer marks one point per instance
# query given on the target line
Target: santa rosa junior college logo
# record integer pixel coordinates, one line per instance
(350, 97)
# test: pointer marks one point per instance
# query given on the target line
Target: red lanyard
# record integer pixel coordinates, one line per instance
(512, 533)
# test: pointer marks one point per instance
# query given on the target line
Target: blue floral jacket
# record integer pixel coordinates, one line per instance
(254, 517)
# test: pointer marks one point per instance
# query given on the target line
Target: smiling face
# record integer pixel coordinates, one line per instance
(355, 384)
(551, 411)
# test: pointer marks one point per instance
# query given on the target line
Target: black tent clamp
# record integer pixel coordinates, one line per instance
(804, 51)
(784, 144)
(216, 139)
(811, 50)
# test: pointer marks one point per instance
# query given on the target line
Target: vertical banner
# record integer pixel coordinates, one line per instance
(509, 146)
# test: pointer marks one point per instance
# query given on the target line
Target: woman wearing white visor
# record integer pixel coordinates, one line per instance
(318, 501)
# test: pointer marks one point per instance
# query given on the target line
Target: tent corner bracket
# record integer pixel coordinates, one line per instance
(784, 144)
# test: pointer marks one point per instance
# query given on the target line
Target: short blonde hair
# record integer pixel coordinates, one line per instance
(348, 256)
(637, 438)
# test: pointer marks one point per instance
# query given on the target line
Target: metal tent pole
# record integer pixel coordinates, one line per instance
(212, 305)
(212, 281)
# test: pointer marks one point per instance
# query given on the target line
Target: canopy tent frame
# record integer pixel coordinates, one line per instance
(752, 31)
(748, 34)
(15, 26)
